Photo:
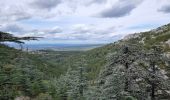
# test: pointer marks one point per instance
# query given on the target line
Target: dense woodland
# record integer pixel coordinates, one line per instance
(134, 68)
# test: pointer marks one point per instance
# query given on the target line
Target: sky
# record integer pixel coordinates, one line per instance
(81, 21)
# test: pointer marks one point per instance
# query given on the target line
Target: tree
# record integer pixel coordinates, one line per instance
(136, 73)
(7, 37)
(155, 76)
(116, 78)
(71, 85)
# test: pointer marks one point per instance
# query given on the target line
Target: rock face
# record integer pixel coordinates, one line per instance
(167, 54)
(130, 36)
(154, 33)
(142, 41)
(161, 29)
(23, 98)
(168, 42)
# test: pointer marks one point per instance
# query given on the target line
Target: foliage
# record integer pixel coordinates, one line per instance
(7, 37)
(139, 76)
(19, 75)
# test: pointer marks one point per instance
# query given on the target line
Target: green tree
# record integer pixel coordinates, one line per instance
(116, 78)
(7, 37)
(71, 86)
(154, 75)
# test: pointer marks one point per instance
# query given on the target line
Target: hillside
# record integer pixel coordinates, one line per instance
(95, 63)
(95, 59)
(22, 73)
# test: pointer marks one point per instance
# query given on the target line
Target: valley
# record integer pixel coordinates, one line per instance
(52, 74)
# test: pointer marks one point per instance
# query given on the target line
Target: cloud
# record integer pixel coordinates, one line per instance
(53, 30)
(46, 33)
(98, 1)
(21, 30)
(47, 9)
(165, 9)
(83, 32)
(45, 4)
(120, 9)
(13, 13)
(19, 10)
(13, 28)
(70, 20)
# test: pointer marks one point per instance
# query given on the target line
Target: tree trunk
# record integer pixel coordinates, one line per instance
(126, 78)
(64, 97)
(153, 84)
(81, 81)
(153, 92)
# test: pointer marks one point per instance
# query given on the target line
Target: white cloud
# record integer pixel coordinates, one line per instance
(120, 8)
(165, 8)
(45, 4)
(77, 20)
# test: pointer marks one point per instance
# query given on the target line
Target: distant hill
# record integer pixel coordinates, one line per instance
(58, 47)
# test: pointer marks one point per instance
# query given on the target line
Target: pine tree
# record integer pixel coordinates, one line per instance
(72, 85)
(116, 78)
(156, 80)
(7, 37)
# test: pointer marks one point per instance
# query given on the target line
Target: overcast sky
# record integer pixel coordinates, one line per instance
(82, 21)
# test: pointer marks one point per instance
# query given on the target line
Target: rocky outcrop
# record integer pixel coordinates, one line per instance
(23, 98)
